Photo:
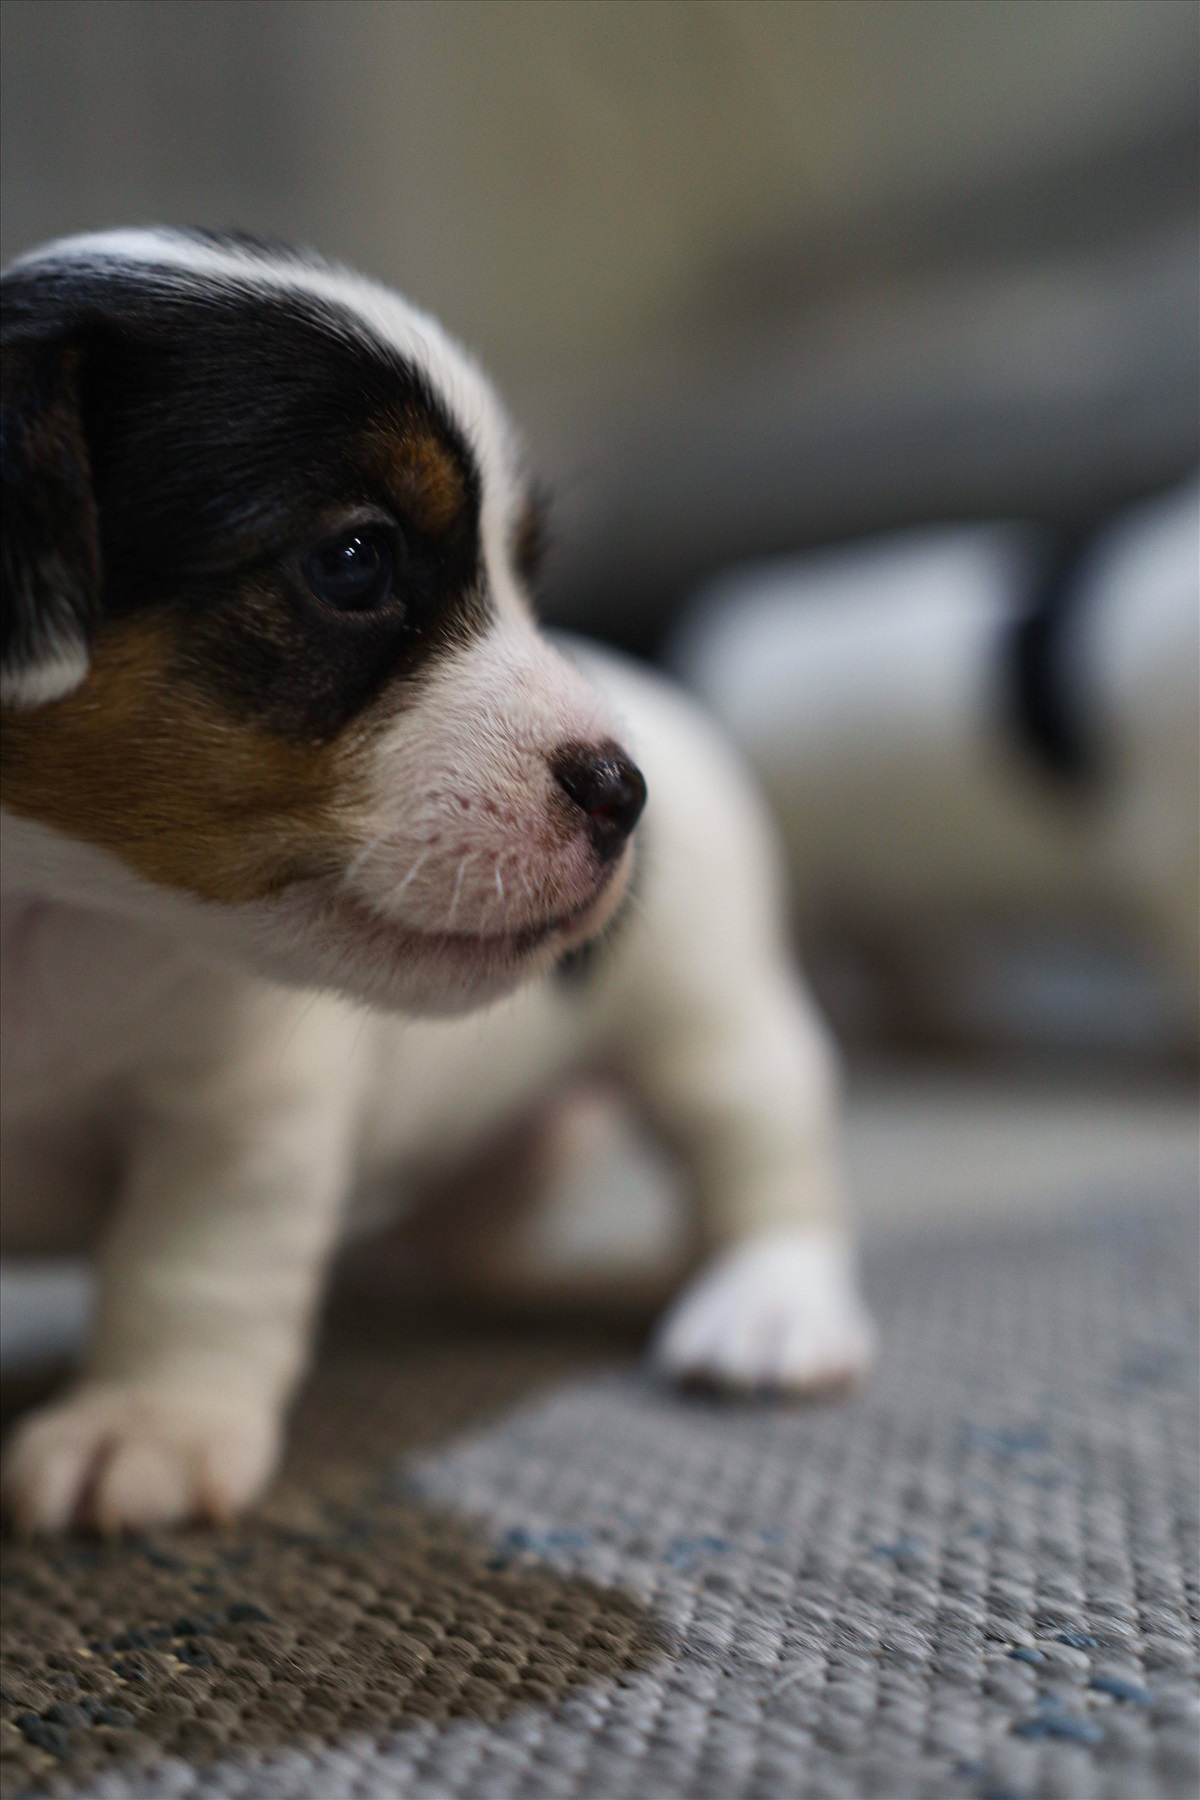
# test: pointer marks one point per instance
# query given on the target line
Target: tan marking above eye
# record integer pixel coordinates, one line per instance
(425, 476)
(147, 765)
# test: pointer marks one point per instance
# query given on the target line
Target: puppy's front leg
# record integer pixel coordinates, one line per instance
(207, 1282)
(736, 1071)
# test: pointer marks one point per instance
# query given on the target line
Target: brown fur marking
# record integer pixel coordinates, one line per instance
(425, 477)
(144, 763)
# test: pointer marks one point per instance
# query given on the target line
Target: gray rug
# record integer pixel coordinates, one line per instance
(977, 1579)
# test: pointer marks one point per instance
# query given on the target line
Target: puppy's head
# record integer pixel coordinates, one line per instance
(268, 664)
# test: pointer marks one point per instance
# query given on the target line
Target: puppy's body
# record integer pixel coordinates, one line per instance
(228, 786)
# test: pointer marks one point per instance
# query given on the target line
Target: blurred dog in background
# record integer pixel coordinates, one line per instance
(974, 736)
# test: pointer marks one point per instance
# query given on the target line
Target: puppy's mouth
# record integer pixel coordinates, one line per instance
(485, 952)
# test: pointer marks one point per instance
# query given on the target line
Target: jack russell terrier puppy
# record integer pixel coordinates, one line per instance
(290, 780)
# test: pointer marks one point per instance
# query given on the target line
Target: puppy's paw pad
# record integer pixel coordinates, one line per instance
(781, 1312)
(117, 1458)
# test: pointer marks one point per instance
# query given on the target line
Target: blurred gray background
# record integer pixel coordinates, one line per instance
(755, 277)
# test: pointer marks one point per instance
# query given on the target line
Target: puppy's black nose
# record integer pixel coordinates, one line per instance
(605, 785)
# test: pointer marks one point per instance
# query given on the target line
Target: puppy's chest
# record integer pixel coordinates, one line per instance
(77, 1003)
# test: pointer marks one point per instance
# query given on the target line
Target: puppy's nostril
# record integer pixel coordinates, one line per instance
(606, 786)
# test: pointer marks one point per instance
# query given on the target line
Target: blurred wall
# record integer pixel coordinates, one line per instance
(754, 275)
(562, 181)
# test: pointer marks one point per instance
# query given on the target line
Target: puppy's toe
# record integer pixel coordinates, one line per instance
(140, 1483)
(781, 1312)
(235, 1465)
(125, 1458)
(46, 1470)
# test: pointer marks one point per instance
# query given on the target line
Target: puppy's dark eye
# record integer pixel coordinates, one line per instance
(353, 572)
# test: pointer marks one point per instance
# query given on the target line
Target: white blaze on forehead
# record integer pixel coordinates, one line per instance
(380, 318)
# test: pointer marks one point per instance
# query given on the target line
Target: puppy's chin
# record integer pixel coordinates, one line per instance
(319, 934)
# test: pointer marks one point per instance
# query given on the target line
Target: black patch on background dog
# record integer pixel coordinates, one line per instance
(1043, 676)
(230, 429)
(49, 545)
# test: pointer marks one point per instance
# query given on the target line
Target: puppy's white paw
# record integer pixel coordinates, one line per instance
(779, 1312)
(122, 1458)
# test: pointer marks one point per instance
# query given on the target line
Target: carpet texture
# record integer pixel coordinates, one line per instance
(513, 1566)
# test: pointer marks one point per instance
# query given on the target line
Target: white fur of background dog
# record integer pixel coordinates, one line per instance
(866, 686)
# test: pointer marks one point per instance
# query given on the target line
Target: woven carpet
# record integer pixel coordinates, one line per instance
(513, 1566)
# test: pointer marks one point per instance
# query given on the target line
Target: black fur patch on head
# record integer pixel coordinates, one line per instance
(49, 548)
(227, 431)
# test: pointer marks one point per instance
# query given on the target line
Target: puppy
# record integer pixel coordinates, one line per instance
(287, 764)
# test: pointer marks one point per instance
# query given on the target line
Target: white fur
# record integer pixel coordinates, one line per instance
(249, 1112)
(56, 673)
(456, 847)
(781, 1311)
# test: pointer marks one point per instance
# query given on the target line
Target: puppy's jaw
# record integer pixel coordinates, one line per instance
(465, 827)
(316, 935)
(469, 870)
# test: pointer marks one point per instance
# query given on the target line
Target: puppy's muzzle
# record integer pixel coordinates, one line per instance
(606, 788)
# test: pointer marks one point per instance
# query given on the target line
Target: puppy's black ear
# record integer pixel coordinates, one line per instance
(49, 528)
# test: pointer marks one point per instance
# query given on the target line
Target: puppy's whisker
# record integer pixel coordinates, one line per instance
(458, 881)
(413, 872)
(364, 856)
(511, 906)
(502, 902)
